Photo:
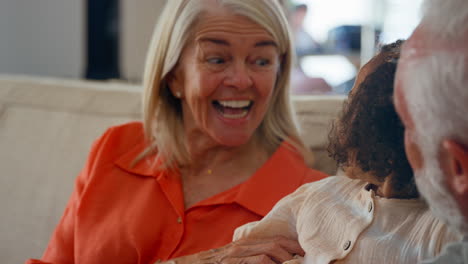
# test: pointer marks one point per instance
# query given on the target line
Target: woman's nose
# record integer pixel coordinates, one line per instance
(239, 76)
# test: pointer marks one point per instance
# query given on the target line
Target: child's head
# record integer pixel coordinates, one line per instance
(367, 140)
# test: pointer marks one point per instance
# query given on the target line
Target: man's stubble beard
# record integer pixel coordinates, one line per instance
(432, 186)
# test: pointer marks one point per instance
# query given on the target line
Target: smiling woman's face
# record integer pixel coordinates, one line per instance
(226, 76)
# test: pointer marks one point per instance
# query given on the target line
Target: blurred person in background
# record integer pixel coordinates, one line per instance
(373, 214)
(217, 147)
(304, 45)
(301, 84)
(431, 96)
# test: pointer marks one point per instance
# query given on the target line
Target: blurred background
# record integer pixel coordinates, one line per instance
(108, 39)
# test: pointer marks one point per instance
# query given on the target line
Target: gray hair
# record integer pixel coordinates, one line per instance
(446, 18)
(439, 95)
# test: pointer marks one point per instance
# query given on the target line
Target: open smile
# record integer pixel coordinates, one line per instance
(233, 109)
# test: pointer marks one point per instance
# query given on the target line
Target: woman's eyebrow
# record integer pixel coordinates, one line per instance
(266, 43)
(215, 41)
(225, 43)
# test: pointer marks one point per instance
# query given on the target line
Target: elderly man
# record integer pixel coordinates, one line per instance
(431, 96)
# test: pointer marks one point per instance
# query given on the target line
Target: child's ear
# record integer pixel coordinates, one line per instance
(458, 166)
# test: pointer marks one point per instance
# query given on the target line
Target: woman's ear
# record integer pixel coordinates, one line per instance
(458, 166)
(175, 84)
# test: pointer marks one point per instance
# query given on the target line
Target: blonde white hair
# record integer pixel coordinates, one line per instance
(162, 114)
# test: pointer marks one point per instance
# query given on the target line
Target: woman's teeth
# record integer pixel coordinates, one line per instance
(235, 104)
(233, 109)
(236, 116)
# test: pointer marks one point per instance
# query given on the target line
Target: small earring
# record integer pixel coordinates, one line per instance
(178, 94)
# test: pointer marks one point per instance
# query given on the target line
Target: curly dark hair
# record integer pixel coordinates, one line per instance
(368, 133)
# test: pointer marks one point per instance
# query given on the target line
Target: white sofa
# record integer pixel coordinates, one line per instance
(46, 129)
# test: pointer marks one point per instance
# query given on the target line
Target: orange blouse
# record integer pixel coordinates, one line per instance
(120, 213)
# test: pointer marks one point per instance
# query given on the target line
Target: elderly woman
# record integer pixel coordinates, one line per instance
(373, 215)
(217, 149)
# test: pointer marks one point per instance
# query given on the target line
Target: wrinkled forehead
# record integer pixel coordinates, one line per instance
(226, 21)
(423, 43)
(218, 19)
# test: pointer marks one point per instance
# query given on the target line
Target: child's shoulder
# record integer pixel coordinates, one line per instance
(332, 184)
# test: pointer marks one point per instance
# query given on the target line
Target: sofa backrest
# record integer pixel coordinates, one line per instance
(46, 129)
(314, 115)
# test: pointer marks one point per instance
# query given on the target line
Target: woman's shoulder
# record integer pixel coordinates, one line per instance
(132, 132)
(120, 139)
(116, 143)
(129, 130)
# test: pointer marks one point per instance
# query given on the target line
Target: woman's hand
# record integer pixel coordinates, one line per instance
(248, 251)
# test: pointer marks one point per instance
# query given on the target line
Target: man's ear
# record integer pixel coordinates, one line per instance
(458, 166)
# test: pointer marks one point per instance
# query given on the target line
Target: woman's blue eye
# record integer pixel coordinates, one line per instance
(215, 60)
(262, 62)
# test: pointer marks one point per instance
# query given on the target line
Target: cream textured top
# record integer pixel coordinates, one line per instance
(340, 220)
